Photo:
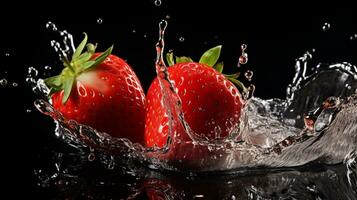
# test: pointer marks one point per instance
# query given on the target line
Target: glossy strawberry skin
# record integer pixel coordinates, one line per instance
(108, 98)
(211, 104)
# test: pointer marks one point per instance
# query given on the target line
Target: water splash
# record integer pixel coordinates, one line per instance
(270, 134)
(64, 49)
(300, 75)
(263, 128)
(351, 165)
(312, 86)
(170, 99)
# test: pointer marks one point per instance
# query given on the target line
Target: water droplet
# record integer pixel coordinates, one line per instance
(243, 59)
(51, 26)
(309, 122)
(14, 84)
(249, 92)
(217, 132)
(111, 163)
(99, 20)
(248, 74)
(157, 2)
(39, 86)
(3, 82)
(81, 90)
(308, 55)
(32, 72)
(326, 27)
(47, 68)
(326, 116)
(91, 157)
(181, 39)
(353, 37)
(331, 102)
(7, 54)
(243, 47)
(348, 86)
(30, 80)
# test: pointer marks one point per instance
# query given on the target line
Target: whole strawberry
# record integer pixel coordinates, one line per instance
(102, 91)
(211, 103)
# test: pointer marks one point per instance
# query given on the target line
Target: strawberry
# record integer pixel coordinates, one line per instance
(102, 91)
(211, 103)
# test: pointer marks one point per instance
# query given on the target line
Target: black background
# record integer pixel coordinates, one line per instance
(276, 35)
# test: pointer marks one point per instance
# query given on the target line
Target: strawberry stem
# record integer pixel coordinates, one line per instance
(80, 63)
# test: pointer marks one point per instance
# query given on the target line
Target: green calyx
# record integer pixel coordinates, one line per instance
(210, 58)
(80, 62)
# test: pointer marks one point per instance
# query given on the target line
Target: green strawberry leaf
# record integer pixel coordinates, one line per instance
(67, 87)
(80, 47)
(218, 67)
(85, 56)
(170, 58)
(54, 81)
(91, 64)
(91, 48)
(87, 65)
(235, 75)
(82, 58)
(211, 56)
(183, 59)
(238, 83)
(103, 56)
(54, 90)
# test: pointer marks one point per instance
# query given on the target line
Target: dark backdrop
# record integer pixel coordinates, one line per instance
(275, 36)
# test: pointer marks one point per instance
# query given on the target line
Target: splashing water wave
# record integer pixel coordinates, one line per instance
(275, 132)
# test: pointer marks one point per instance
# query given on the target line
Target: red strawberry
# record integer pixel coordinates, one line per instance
(210, 102)
(102, 91)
